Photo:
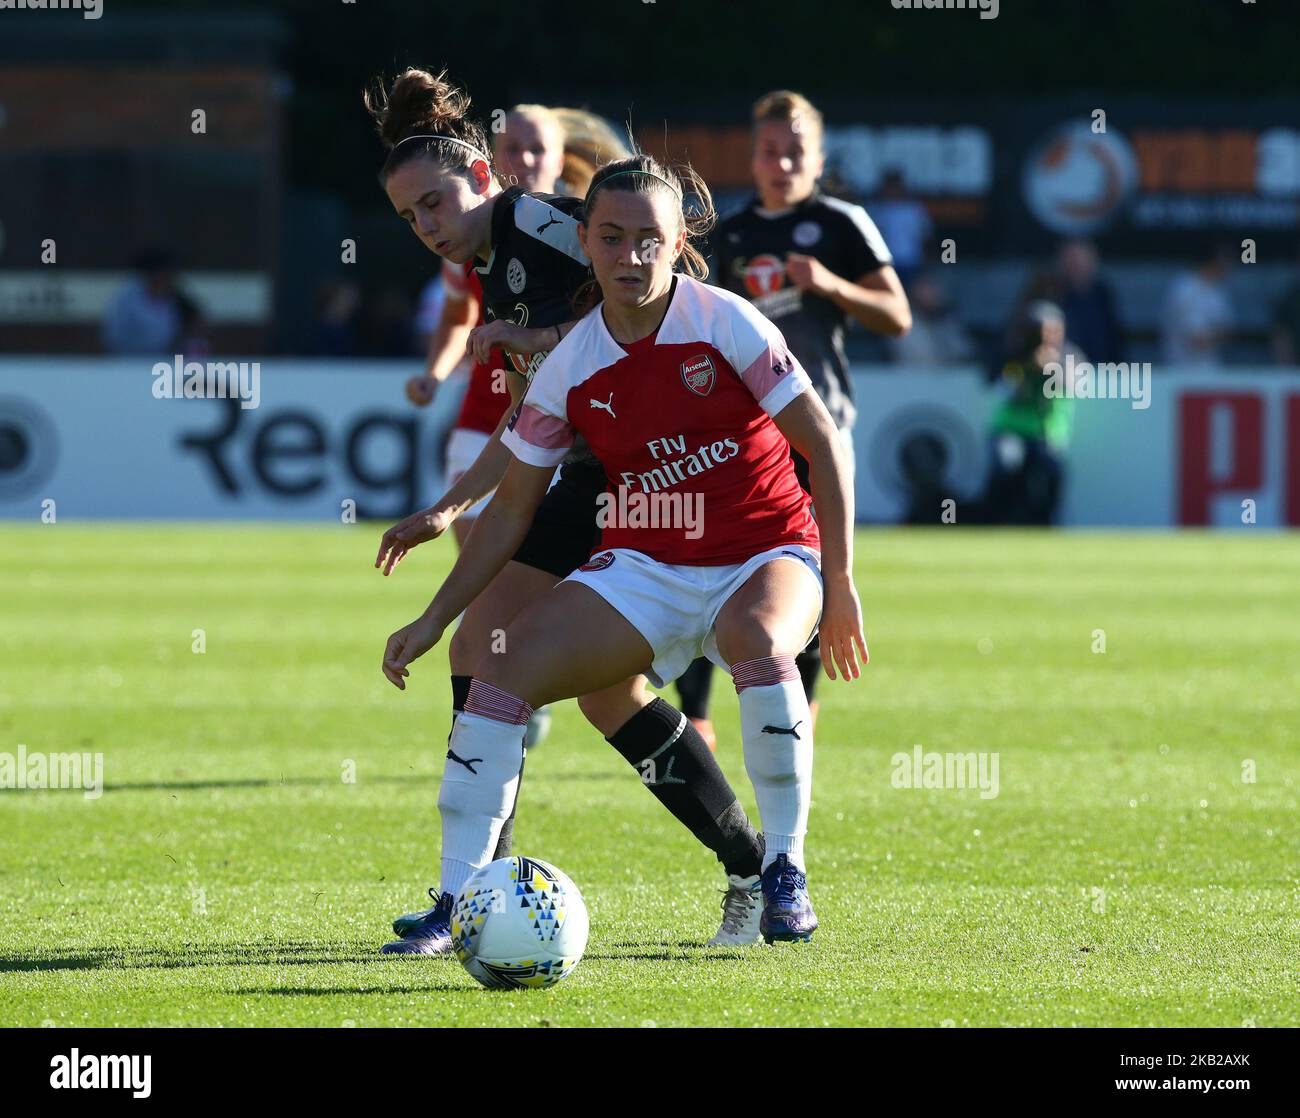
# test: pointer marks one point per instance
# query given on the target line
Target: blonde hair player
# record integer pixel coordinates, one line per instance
(812, 264)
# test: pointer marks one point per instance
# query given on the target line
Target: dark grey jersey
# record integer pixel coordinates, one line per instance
(749, 251)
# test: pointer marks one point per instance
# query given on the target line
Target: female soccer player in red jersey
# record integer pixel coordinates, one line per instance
(683, 391)
(530, 265)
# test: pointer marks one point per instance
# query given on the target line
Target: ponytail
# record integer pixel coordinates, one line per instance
(423, 114)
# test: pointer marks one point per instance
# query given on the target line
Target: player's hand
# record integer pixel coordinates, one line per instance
(503, 334)
(420, 527)
(421, 390)
(808, 273)
(407, 645)
(841, 631)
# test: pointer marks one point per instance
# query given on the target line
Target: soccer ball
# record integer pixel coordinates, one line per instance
(519, 923)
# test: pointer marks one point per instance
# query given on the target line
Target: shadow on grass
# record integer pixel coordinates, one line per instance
(358, 991)
(682, 950)
(280, 954)
(319, 782)
(254, 782)
(697, 954)
(303, 954)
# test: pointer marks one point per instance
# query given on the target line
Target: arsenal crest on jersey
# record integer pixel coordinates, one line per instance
(699, 375)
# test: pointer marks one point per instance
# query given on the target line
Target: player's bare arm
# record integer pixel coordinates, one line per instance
(496, 537)
(808, 426)
(510, 336)
(875, 300)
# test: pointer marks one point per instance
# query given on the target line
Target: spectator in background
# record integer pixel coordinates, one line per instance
(1030, 430)
(1286, 326)
(904, 223)
(937, 336)
(1197, 318)
(334, 332)
(1088, 302)
(146, 314)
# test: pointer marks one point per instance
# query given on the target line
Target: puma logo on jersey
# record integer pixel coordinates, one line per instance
(461, 761)
(793, 731)
(607, 406)
(542, 228)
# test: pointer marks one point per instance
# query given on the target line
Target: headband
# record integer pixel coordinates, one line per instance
(448, 140)
(632, 171)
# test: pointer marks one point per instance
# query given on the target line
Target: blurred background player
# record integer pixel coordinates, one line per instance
(809, 263)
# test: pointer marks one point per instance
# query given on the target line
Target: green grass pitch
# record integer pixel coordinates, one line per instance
(1129, 871)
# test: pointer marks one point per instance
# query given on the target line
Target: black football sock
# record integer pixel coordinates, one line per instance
(809, 663)
(459, 693)
(693, 686)
(675, 764)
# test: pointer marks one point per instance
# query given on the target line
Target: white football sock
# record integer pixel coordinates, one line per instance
(779, 764)
(476, 797)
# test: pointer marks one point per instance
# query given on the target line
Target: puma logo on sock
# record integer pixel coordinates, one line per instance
(792, 731)
(468, 764)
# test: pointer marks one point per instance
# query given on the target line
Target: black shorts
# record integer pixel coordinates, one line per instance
(564, 533)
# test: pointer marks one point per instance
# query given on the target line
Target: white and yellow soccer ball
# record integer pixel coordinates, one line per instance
(519, 922)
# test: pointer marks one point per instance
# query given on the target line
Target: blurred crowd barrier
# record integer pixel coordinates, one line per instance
(87, 438)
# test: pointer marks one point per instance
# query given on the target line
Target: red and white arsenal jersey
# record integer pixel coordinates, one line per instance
(685, 411)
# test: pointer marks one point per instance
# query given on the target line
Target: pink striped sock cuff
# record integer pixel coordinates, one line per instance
(763, 672)
(491, 702)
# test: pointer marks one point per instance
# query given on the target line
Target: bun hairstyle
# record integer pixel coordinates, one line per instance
(790, 108)
(420, 104)
(643, 174)
(589, 141)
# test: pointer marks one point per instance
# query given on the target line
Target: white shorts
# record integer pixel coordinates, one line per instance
(463, 447)
(674, 606)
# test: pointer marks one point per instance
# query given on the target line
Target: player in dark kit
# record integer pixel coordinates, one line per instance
(809, 263)
(439, 179)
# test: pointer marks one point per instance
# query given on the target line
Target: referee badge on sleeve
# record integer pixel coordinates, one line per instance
(699, 375)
